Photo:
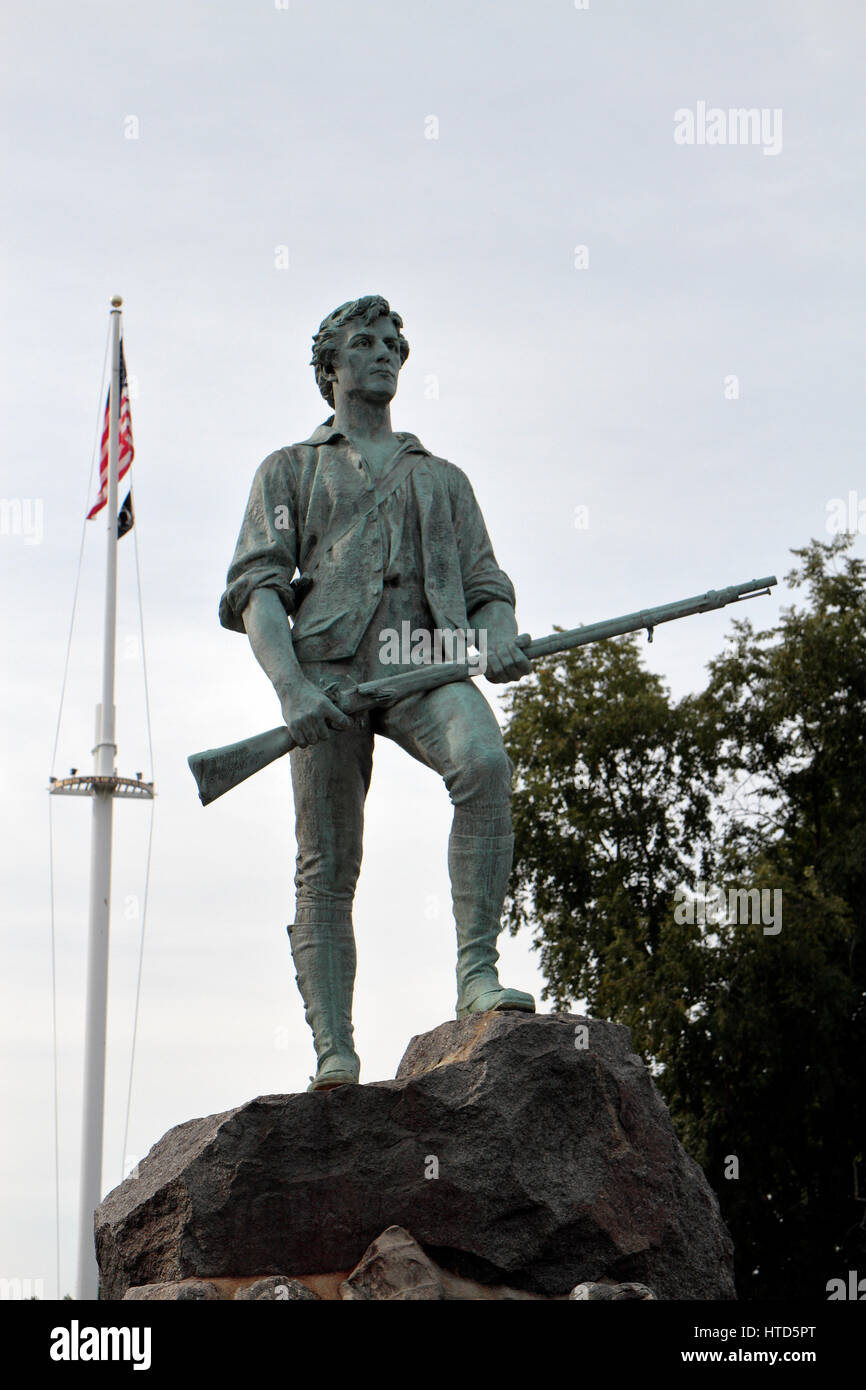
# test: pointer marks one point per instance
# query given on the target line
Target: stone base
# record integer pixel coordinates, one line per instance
(393, 1269)
(528, 1151)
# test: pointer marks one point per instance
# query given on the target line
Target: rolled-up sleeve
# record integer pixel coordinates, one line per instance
(266, 552)
(483, 580)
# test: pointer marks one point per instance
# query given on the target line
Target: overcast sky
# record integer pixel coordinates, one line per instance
(601, 316)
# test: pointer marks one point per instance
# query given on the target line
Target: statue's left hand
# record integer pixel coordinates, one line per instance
(506, 661)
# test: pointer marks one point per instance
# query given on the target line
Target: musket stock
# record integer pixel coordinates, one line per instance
(217, 770)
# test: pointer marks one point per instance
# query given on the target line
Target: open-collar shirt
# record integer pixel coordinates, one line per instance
(306, 492)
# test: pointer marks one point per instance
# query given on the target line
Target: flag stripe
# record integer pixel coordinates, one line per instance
(125, 448)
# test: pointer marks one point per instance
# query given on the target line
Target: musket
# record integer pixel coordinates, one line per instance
(217, 770)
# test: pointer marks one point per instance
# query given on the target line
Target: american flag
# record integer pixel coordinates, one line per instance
(125, 452)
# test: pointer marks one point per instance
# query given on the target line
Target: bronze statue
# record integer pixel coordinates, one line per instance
(384, 533)
(387, 539)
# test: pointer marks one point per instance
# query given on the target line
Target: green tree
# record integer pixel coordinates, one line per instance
(790, 1012)
(614, 793)
(756, 1037)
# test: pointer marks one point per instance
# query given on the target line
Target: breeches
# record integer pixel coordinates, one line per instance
(451, 729)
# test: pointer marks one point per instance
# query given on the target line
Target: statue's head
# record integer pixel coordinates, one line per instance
(332, 335)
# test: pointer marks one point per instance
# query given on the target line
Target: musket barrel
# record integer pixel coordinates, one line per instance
(219, 769)
(647, 618)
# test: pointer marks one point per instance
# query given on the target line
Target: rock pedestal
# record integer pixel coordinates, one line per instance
(526, 1151)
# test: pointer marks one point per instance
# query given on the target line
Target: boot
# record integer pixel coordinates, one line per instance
(479, 863)
(324, 958)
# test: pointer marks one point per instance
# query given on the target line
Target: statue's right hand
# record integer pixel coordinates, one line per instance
(310, 715)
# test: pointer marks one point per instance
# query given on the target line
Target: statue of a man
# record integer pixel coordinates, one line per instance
(388, 534)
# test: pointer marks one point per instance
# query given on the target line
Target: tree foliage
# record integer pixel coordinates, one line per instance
(756, 1035)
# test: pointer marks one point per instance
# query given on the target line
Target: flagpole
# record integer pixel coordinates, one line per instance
(103, 785)
(105, 751)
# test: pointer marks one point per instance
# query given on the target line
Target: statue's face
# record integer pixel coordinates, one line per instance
(367, 362)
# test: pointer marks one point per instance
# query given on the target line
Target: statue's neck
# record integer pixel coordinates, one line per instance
(363, 419)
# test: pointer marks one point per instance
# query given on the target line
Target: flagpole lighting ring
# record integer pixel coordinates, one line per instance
(91, 784)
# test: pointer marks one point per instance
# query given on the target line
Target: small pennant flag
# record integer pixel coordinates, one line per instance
(125, 517)
(125, 454)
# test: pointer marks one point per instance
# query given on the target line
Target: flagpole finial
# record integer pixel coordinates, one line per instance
(116, 301)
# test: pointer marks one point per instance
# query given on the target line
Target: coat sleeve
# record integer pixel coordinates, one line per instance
(483, 580)
(266, 552)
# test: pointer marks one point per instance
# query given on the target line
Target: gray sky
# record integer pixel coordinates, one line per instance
(697, 386)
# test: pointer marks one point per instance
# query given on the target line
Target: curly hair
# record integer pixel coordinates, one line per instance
(328, 337)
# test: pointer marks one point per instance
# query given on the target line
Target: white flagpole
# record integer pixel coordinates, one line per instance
(103, 785)
(105, 751)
